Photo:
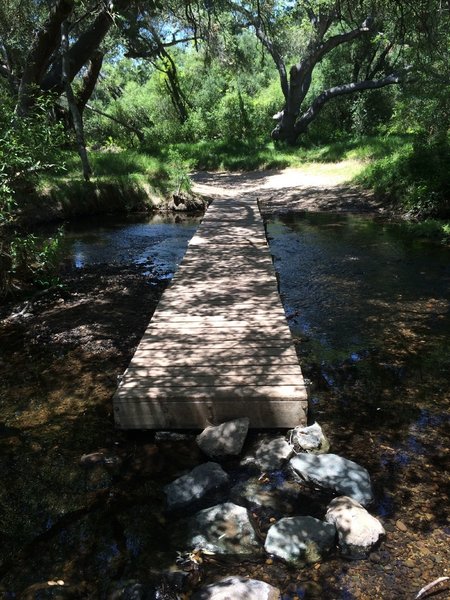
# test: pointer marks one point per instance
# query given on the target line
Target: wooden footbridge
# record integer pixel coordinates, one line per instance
(218, 346)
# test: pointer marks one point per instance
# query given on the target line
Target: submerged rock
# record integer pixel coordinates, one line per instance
(358, 531)
(237, 588)
(226, 439)
(221, 529)
(207, 481)
(300, 539)
(268, 454)
(309, 439)
(273, 492)
(336, 473)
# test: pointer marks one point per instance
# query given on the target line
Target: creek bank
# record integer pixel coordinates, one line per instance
(74, 199)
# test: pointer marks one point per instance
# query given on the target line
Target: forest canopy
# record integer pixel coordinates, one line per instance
(147, 75)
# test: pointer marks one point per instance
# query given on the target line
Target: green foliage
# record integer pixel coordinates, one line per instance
(35, 259)
(416, 177)
(28, 146)
(178, 169)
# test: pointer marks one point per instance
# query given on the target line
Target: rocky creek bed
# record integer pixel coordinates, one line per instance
(83, 506)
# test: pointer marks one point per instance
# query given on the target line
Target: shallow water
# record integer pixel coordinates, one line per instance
(368, 308)
(158, 242)
(348, 283)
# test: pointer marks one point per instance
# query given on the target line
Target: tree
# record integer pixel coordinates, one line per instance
(316, 28)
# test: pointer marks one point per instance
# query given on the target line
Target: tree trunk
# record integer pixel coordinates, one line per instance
(45, 43)
(83, 48)
(76, 115)
(90, 80)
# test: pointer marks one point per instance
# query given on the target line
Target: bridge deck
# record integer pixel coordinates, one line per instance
(218, 346)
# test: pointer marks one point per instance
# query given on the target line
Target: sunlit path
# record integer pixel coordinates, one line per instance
(218, 346)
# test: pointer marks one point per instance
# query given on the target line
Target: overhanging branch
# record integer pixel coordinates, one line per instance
(349, 88)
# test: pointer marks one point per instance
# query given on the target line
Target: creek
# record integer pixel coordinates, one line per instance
(368, 306)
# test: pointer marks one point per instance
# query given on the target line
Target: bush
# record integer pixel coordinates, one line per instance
(416, 178)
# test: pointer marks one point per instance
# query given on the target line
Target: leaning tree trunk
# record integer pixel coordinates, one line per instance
(74, 111)
(90, 80)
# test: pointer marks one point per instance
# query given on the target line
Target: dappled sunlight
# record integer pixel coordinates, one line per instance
(214, 328)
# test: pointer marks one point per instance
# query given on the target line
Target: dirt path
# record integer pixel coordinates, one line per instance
(314, 187)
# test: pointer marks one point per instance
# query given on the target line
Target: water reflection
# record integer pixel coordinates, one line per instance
(349, 283)
(158, 242)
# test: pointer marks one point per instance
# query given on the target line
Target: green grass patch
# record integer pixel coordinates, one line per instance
(253, 155)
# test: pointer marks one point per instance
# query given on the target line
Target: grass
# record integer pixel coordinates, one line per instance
(248, 156)
(413, 178)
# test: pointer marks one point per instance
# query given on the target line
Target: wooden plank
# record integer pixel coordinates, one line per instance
(216, 370)
(145, 415)
(144, 379)
(218, 346)
(130, 392)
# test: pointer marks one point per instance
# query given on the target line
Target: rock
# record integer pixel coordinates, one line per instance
(237, 588)
(401, 526)
(309, 439)
(207, 481)
(357, 530)
(93, 458)
(226, 439)
(269, 454)
(336, 473)
(276, 494)
(300, 539)
(221, 529)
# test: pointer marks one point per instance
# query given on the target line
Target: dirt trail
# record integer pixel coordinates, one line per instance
(311, 188)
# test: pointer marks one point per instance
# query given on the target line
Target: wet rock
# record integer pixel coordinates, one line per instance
(205, 482)
(278, 495)
(221, 529)
(237, 588)
(358, 531)
(309, 439)
(268, 454)
(300, 539)
(334, 472)
(134, 590)
(106, 458)
(226, 439)
(93, 458)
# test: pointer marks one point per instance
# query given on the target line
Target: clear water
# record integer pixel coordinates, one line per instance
(350, 284)
(157, 242)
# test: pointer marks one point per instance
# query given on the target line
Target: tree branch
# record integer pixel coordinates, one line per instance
(137, 133)
(349, 88)
(45, 42)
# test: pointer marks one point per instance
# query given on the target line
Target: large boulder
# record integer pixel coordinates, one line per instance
(300, 539)
(226, 439)
(237, 588)
(336, 473)
(205, 482)
(222, 529)
(357, 530)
